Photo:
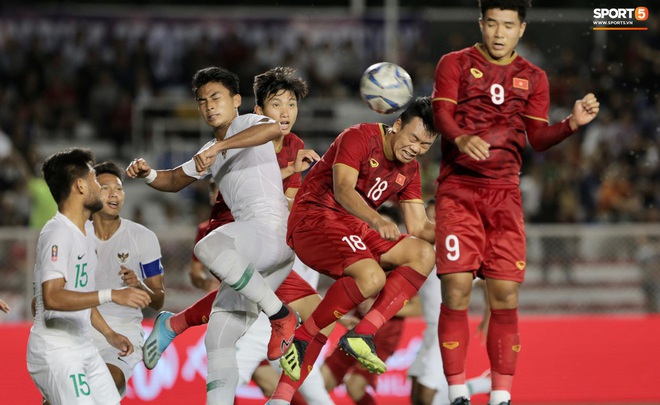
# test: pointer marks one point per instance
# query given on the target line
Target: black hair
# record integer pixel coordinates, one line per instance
(108, 168)
(63, 168)
(275, 80)
(215, 74)
(421, 107)
(520, 6)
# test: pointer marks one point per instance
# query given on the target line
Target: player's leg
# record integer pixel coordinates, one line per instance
(356, 386)
(242, 254)
(101, 384)
(121, 367)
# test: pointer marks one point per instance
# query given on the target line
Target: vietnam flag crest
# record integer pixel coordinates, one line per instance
(519, 83)
(400, 179)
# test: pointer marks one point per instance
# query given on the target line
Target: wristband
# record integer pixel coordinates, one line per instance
(151, 176)
(105, 296)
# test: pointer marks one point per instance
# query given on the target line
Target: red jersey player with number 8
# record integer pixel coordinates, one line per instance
(486, 101)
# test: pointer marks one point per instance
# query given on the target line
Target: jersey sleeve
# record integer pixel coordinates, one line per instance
(352, 148)
(413, 190)
(539, 102)
(150, 255)
(445, 96)
(54, 253)
(245, 121)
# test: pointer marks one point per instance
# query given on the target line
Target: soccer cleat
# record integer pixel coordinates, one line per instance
(503, 403)
(292, 360)
(461, 401)
(363, 349)
(281, 334)
(157, 341)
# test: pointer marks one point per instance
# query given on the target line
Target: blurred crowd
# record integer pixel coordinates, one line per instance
(76, 78)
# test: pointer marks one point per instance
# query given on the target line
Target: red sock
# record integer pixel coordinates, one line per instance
(454, 337)
(402, 284)
(340, 298)
(503, 345)
(196, 314)
(298, 399)
(366, 400)
(286, 387)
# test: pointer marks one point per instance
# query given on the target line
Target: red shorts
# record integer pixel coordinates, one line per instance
(294, 288)
(386, 341)
(329, 241)
(480, 228)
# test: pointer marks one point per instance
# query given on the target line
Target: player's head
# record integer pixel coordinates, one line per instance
(414, 132)
(109, 176)
(217, 93)
(502, 24)
(277, 93)
(70, 173)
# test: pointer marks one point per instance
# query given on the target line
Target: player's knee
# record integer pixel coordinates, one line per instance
(371, 281)
(426, 258)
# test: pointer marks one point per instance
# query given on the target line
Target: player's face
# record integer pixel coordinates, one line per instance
(501, 30)
(283, 108)
(411, 140)
(112, 194)
(94, 201)
(216, 105)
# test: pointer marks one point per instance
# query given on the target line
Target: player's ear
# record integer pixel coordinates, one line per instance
(523, 25)
(237, 100)
(258, 110)
(396, 127)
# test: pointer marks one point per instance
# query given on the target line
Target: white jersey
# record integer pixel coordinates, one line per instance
(63, 251)
(249, 179)
(136, 248)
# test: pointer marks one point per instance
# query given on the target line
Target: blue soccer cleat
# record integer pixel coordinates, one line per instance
(157, 341)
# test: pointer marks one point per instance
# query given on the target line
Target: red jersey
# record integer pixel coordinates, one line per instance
(287, 155)
(492, 99)
(379, 177)
(221, 214)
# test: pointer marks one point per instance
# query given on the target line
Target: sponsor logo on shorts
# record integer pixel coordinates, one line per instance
(520, 265)
(205, 319)
(450, 345)
(476, 73)
(338, 314)
(516, 348)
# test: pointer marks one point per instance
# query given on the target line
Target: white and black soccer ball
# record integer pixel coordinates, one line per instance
(386, 87)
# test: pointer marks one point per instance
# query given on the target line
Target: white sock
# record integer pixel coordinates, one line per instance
(499, 396)
(479, 385)
(278, 402)
(458, 391)
(222, 378)
(240, 275)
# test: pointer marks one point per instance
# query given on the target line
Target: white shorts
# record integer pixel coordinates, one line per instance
(427, 366)
(80, 378)
(110, 355)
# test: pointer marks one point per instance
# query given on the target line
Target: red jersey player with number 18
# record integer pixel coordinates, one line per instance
(335, 229)
(487, 100)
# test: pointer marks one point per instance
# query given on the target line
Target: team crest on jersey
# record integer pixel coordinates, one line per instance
(122, 256)
(478, 74)
(450, 345)
(373, 162)
(520, 265)
(516, 348)
(400, 179)
(53, 253)
(519, 83)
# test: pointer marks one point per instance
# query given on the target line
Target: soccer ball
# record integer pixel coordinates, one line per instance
(386, 87)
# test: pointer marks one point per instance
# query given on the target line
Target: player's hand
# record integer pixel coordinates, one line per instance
(473, 146)
(131, 297)
(138, 168)
(205, 158)
(129, 277)
(584, 111)
(388, 230)
(304, 160)
(4, 307)
(120, 342)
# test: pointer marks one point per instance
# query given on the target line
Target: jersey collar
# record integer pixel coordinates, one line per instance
(503, 62)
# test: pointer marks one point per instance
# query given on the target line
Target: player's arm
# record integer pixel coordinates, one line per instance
(543, 136)
(4, 307)
(263, 132)
(303, 161)
(118, 341)
(57, 298)
(445, 99)
(417, 222)
(344, 179)
(171, 180)
(155, 287)
(199, 277)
